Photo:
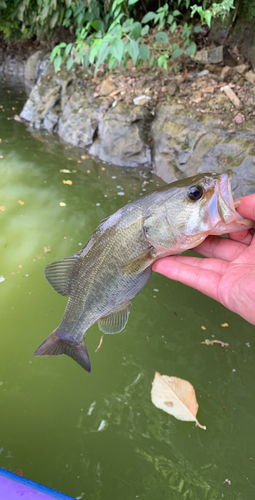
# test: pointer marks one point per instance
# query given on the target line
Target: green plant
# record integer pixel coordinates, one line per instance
(119, 37)
(220, 9)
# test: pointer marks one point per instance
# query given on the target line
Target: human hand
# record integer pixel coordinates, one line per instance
(228, 273)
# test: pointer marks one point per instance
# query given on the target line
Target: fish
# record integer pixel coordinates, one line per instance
(102, 278)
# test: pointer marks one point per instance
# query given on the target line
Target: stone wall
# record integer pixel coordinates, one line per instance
(167, 141)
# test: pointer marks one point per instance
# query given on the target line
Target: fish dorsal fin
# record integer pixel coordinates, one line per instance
(58, 273)
(116, 321)
(138, 264)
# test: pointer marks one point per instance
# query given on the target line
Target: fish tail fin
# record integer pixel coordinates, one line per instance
(56, 345)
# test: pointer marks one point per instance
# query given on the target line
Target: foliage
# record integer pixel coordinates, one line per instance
(215, 10)
(118, 37)
(26, 18)
(110, 31)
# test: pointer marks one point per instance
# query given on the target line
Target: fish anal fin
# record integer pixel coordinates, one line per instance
(54, 345)
(58, 273)
(116, 321)
(138, 264)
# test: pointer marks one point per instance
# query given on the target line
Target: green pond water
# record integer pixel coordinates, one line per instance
(98, 435)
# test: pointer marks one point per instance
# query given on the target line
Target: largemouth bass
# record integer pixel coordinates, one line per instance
(115, 264)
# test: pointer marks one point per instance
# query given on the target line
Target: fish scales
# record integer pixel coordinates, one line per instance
(115, 264)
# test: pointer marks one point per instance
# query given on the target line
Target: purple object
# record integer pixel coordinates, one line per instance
(14, 487)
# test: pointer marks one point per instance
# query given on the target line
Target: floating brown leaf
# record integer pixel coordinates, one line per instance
(68, 182)
(176, 397)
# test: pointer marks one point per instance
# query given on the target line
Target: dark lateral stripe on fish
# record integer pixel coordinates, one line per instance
(56, 346)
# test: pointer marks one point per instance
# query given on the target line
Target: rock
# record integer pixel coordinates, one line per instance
(203, 73)
(221, 98)
(107, 87)
(184, 146)
(209, 90)
(121, 137)
(176, 145)
(141, 100)
(228, 58)
(250, 77)
(12, 66)
(244, 177)
(239, 118)
(172, 88)
(50, 121)
(202, 83)
(32, 65)
(79, 122)
(211, 68)
(226, 71)
(241, 68)
(29, 110)
(231, 95)
(210, 56)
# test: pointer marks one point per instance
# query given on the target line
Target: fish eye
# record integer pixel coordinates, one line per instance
(195, 193)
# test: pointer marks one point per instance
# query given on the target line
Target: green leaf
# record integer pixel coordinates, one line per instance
(177, 52)
(127, 25)
(176, 13)
(69, 63)
(160, 61)
(145, 30)
(151, 61)
(117, 49)
(208, 17)
(94, 50)
(3, 4)
(115, 4)
(198, 29)
(191, 49)
(173, 27)
(117, 11)
(57, 62)
(161, 37)
(54, 52)
(133, 50)
(131, 2)
(54, 20)
(68, 49)
(98, 25)
(102, 55)
(148, 17)
(86, 60)
(45, 12)
(144, 52)
(136, 30)
(170, 19)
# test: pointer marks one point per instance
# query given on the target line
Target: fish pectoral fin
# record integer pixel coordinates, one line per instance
(116, 321)
(138, 264)
(58, 272)
(56, 346)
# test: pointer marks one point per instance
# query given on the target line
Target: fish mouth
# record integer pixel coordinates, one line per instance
(231, 220)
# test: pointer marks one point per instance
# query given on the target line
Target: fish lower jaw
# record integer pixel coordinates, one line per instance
(236, 225)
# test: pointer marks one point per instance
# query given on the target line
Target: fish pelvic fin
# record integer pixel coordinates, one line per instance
(116, 321)
(56, 345)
